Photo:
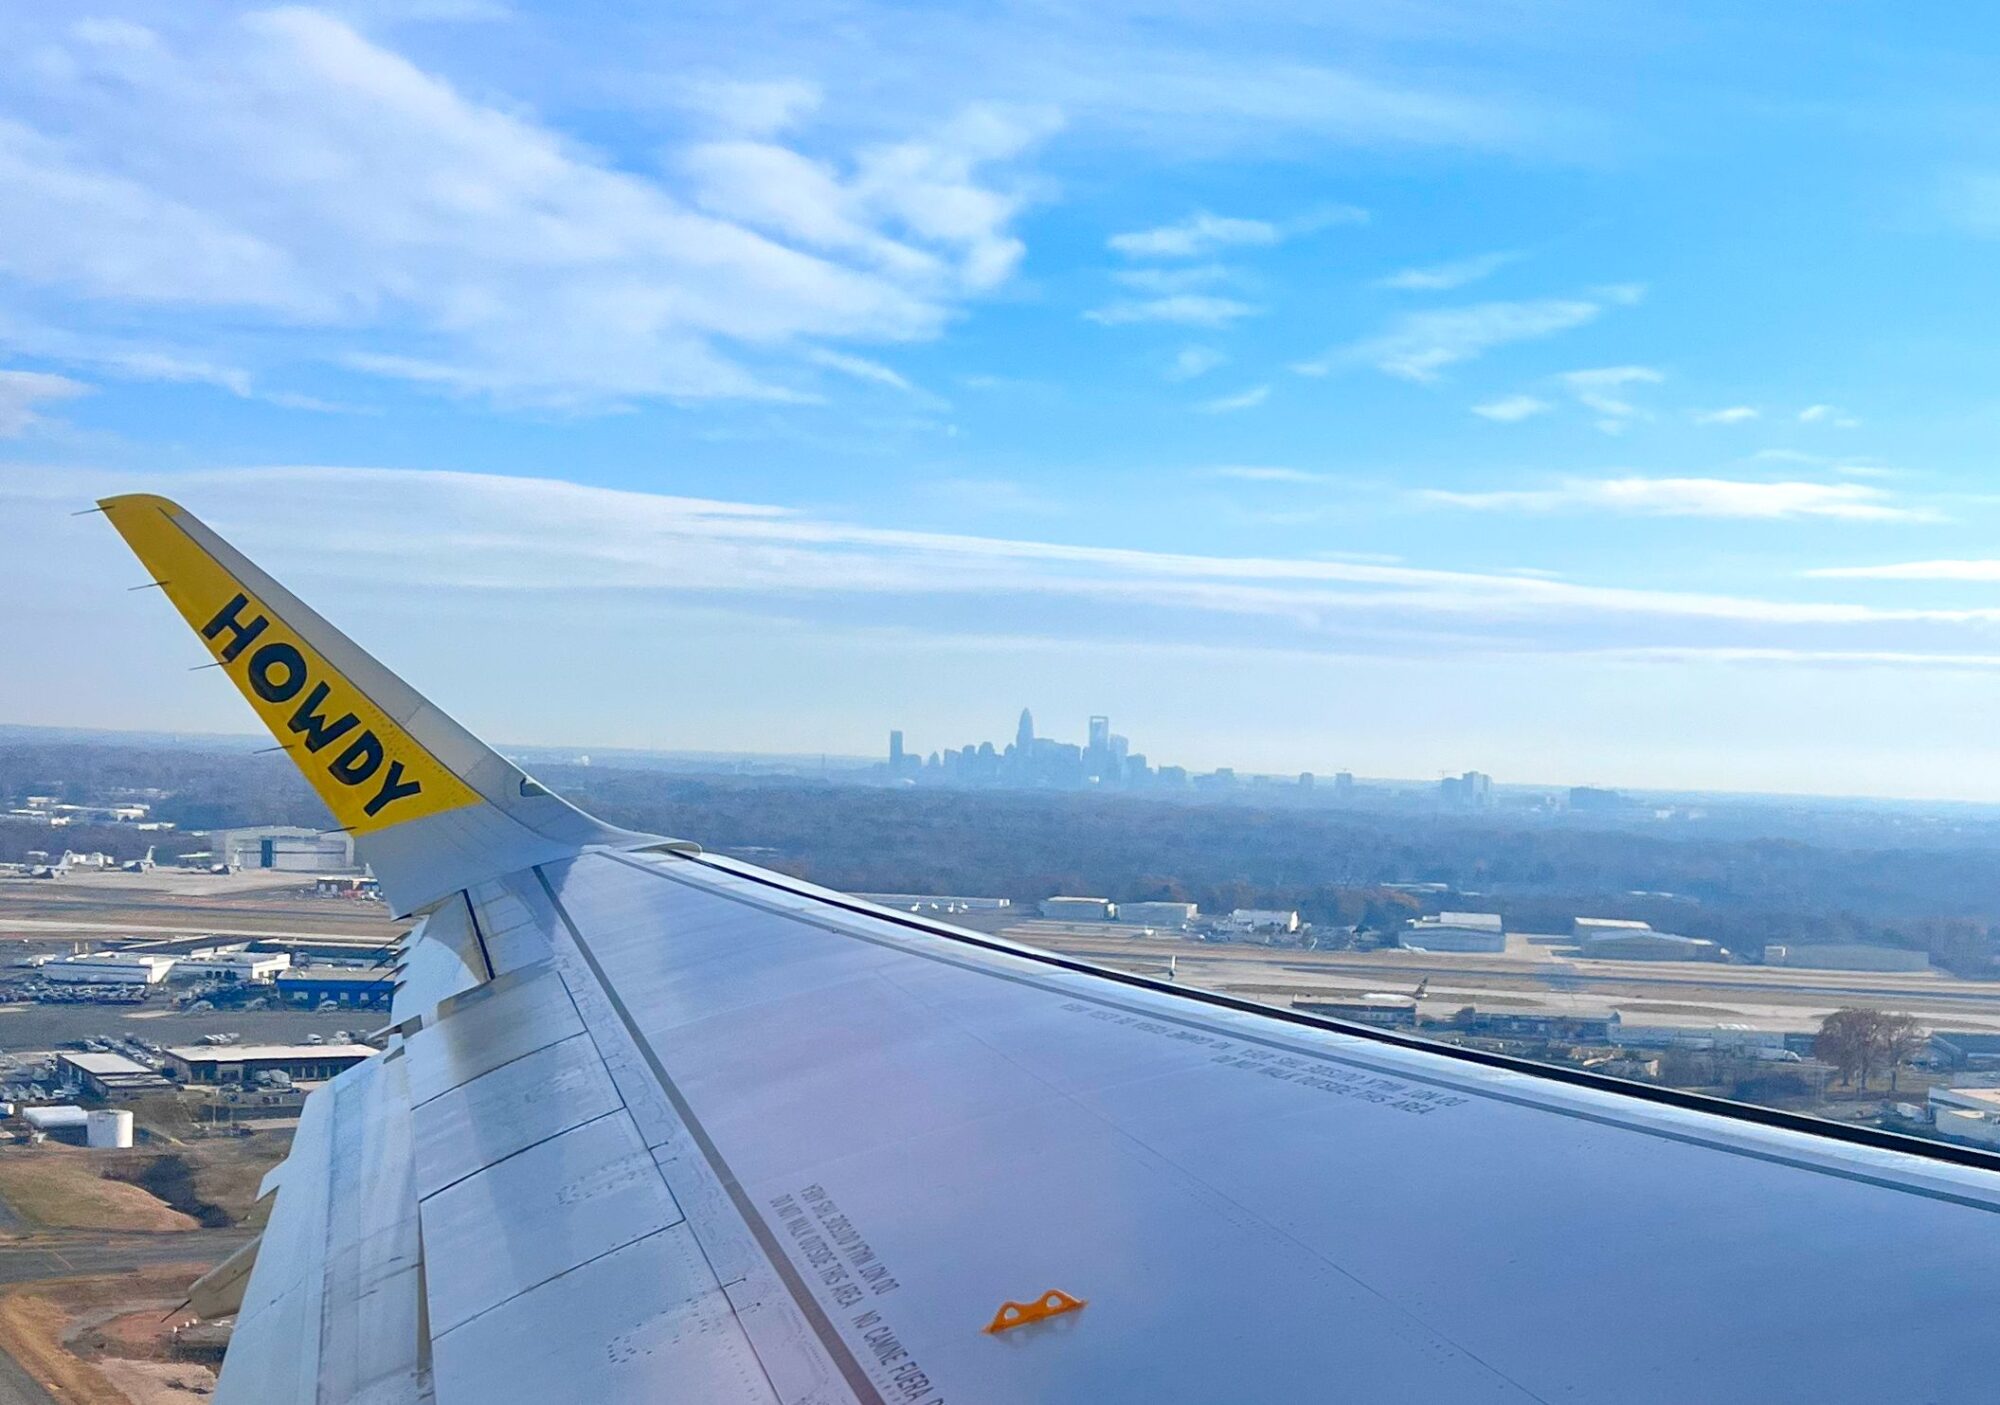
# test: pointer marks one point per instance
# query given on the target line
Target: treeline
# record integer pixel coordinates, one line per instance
(1331, 865)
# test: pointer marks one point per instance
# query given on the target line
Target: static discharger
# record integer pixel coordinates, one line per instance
(1053, 1303)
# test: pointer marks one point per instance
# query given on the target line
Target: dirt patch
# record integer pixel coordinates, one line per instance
(212, 1180)
(62, 1188)
(106, 1341)
(160, 1382)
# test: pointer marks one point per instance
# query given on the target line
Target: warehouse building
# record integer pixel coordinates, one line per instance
(1384, 1011)
(1724, 1035)
(108, 968)
(1262, 921)
(242, 1063)
(230, 963)
(367, 987)
(1956, 1049)
(1079, 909)
(1648, 945)
(1479, 932)
(289, 848)
(108, 1075)
(1158, 914)
(1967, 1114)
(1588, 928)
(64, 1122)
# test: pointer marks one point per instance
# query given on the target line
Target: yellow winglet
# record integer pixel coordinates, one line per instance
(1053, 1303)
(365, 765)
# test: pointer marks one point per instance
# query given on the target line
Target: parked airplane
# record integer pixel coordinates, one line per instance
(653, 1124)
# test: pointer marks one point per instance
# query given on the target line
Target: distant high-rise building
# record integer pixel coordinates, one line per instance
(1590, 797)
(1024, 735)
(895, 751)
(1305, 780)
(1473, 790)
(1100, 733)
(1343, 783)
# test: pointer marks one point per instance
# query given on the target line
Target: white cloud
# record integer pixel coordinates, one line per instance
(1421, 345)
(279, 168)
(1174, 280)
(861, 369)
(1200, 233)
(1693, 497)
(527, 535)
(1980, 571)
(1192, 361)
(1203, 233)
(23, 392)
(1829, 415)
(1185, 309)
(1258, 473)
(987, 497)
(1443, 277)
(1512, 408)
(1734, 414)
(1243, 400)
(759, 108)
(1603, 389)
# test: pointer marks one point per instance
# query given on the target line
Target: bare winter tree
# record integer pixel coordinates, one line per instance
(1900, 1039)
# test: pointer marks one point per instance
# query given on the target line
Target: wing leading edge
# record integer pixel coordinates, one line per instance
(654, 1124)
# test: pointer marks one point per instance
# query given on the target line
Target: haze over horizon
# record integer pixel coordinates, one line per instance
(1594, 392)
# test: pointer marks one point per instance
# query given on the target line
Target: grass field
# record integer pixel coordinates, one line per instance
(62, 1188)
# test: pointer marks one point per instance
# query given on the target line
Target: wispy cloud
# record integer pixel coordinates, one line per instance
(1604, 389)
(1175, 280)
(1828, 415)
(1733, 414)
(1192, 361)
(1443, 277)
(1202, 233)
(1693, 497)
(1512, 408)
(1262, 473)
(1183, 309)
(23, 393)
(1979, 571)
(546, 549)
(981, 498)
(752, 107)
(1420, 346)
(861, 369)
(1243, 400)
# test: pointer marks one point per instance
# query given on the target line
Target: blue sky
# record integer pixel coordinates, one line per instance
(1582, 392)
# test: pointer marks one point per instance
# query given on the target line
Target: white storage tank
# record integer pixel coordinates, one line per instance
(109, 1129)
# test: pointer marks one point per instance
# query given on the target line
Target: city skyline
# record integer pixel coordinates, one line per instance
(755, 386)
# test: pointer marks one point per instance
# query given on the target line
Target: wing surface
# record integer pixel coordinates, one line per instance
(652, 1124)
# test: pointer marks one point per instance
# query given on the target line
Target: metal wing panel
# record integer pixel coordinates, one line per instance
(331, 1310)
(585, 1193)
(1254, 1210)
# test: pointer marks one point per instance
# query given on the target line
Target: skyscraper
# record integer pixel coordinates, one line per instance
(896, 752)
(1024, 735)
(1100, 733)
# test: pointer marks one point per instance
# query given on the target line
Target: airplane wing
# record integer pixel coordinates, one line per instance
(655, 1125)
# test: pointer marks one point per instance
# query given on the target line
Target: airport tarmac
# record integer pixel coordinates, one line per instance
(1533, 977)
